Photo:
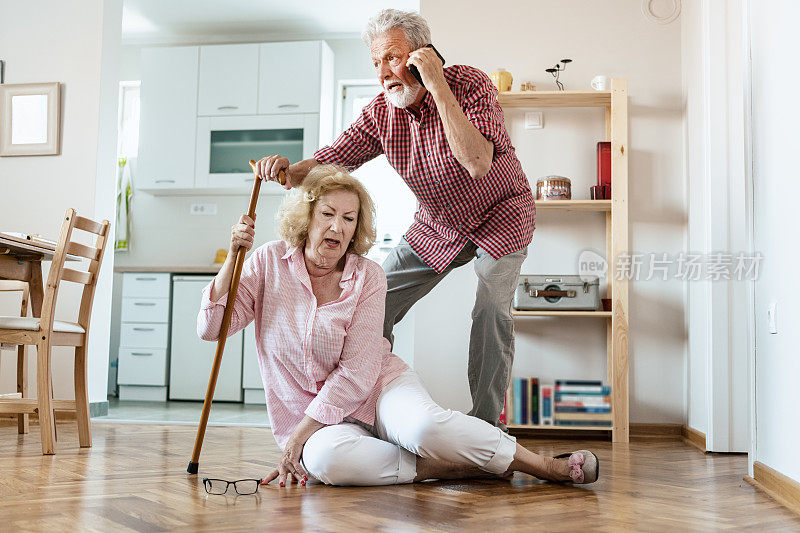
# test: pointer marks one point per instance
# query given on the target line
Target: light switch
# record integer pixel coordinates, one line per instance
(534, 120)
(771, 316)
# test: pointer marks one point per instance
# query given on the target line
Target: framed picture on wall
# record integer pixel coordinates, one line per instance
(30, 117)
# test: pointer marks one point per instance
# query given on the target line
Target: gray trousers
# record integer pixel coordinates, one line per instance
(491, 340)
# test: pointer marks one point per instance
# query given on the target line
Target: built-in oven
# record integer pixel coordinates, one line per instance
(225, 145)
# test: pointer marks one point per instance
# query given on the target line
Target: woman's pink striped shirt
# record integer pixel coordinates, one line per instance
(327, 362)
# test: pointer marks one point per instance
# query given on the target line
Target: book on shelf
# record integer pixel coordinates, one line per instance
(533, 394)
(598, 423)
(517, 401)
(587, 399)
(546, 404)
(569, 409)
(583, 389)
(579, 382)
(529, 402)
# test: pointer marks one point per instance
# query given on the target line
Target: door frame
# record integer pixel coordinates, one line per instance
(340, 95)
(752, 344)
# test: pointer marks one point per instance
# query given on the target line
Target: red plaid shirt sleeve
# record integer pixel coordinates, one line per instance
(481, 108)
(355, 146)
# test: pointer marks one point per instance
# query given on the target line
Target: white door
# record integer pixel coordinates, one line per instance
(394, 201)
(191, 358)
(228, 79)
(290, 77)
(168, 119)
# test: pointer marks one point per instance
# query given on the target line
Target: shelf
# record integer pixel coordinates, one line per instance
(555, 99)
(599, 314)
(574, 205)
(559, 428)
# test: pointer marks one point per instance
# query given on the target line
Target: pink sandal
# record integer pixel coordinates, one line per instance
(585, 466)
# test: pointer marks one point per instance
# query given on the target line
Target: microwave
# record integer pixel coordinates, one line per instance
(225, 146)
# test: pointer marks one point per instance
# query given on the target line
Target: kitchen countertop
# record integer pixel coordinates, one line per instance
(173, 269)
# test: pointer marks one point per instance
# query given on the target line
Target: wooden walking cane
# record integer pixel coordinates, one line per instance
(223, 330)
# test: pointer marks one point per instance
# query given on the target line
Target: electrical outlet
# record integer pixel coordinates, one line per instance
(203, 209)
(534, 120)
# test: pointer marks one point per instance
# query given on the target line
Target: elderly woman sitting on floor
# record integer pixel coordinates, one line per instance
(344, 409)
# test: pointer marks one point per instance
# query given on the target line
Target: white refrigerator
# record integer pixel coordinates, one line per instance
(191, 357)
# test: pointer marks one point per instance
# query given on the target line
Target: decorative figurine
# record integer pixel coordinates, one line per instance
(556, 72)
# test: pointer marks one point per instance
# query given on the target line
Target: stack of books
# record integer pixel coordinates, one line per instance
(522, 402)
(582, 403)
(567, 403)
(527, 403)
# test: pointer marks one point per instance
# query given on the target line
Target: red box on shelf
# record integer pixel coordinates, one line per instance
(604, 164)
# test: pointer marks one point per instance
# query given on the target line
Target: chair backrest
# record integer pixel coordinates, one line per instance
(8, 285)
(59, 272)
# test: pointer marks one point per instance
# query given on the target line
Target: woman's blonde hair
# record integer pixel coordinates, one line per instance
(294, 215)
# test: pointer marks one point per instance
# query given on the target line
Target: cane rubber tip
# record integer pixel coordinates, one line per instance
(192, 467)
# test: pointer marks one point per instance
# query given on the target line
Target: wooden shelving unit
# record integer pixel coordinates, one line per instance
(574, 205)
(602, 314)
(615, 103)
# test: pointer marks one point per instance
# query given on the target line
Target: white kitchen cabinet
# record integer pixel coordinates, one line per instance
(144, 336)
(225, 146)
(168, 118)
(251, 373)
(143, 367)
(191, 358)
(294, 77)
(228, 80)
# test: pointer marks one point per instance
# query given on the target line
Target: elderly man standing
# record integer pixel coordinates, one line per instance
(448, 141)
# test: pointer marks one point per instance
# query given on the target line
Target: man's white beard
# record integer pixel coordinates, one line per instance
(405, 97)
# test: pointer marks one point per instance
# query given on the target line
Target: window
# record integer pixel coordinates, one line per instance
(128, 119)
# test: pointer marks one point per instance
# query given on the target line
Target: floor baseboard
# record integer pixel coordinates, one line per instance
(639, 430)
(779, 487)
(694, 438)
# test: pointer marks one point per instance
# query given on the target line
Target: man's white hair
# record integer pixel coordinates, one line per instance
(413, 25)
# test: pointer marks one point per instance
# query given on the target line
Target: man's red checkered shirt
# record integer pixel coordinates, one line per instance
(496, 212)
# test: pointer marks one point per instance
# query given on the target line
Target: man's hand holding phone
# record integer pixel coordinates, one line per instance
(428, 63)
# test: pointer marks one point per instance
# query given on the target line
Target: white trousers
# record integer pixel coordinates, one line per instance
(408, 423)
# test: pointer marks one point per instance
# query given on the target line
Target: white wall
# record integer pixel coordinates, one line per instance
(776, 111)
(52, 41)
(612, 38)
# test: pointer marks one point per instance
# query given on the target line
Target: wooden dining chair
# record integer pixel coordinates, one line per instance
(22, 350)
(46, 332)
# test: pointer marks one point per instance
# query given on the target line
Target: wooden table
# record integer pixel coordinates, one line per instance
(21, 259)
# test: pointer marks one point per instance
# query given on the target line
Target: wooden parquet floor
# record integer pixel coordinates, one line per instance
(134, 479)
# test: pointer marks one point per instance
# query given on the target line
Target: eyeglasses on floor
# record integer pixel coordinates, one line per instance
(242, 487)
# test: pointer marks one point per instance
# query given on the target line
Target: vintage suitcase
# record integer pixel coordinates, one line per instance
(557, 293)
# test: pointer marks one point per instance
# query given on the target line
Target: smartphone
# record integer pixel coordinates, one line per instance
(415, 71)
